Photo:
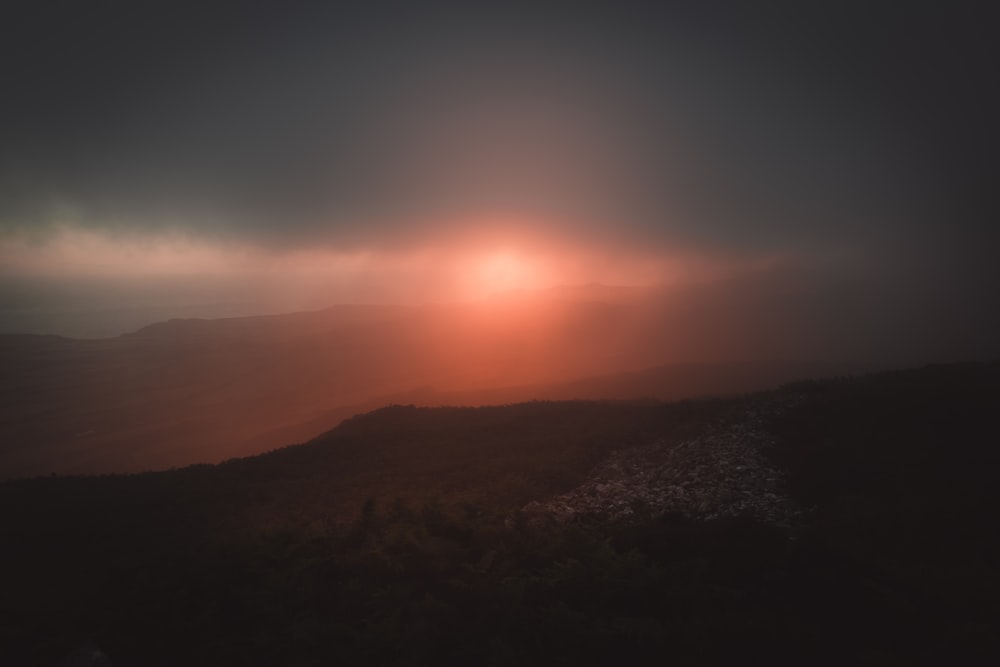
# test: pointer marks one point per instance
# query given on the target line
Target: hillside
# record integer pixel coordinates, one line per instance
(202, 391)
(843, 521)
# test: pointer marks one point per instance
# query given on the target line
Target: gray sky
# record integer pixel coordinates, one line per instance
(856, 138)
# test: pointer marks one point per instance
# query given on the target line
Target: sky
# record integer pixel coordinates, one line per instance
(216, 158)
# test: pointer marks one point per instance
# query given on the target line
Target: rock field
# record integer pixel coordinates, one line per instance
(723, 472)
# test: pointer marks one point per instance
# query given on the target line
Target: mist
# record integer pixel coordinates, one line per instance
(247, 162)
(226, 230)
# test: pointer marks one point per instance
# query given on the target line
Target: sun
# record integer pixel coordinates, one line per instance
(505, 270)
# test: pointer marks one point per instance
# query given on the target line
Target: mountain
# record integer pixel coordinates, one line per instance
(838, 521)
(193, 391)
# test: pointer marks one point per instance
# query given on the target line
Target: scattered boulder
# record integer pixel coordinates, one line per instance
(722, 472)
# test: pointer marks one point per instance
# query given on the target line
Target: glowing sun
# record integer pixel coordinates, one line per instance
(501, 271)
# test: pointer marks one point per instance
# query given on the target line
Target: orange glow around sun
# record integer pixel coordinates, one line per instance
(506, 270)
(474, 260)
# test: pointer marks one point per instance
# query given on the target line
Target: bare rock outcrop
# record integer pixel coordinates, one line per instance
(722, 472)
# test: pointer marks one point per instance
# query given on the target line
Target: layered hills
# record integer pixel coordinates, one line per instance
(199, 391)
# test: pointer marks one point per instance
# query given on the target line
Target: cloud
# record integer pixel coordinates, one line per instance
(381, 127)
(315, 155)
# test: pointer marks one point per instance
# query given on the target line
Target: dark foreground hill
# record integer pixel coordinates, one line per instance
(846, 521)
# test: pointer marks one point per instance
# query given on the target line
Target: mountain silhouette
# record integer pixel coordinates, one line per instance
(194, 391)
(847, 520)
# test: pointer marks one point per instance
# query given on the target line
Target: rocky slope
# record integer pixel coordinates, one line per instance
(722, 472)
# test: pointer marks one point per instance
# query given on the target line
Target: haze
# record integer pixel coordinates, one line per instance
(512, 200)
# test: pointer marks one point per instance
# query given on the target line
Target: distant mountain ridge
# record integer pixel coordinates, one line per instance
(193, 390)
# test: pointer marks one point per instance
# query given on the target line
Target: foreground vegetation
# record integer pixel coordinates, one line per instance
(396, 539)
